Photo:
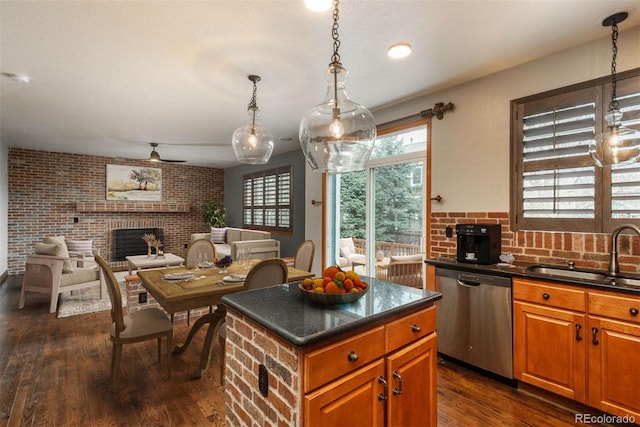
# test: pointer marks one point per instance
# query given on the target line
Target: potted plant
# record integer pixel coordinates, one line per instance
(213, 214)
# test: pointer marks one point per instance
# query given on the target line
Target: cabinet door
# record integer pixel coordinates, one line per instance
(352, 400)
(614, 366)
(412, 384)
(549, 349)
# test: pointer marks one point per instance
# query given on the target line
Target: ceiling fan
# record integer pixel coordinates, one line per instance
(155, 156)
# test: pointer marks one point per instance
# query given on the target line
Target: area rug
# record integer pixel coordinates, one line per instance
(88, 300)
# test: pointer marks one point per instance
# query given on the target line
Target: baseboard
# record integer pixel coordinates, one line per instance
(4, 276)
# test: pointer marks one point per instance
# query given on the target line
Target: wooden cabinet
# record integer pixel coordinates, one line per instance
(549, 345)
(614, 353)
(579, 342)
(382, 376)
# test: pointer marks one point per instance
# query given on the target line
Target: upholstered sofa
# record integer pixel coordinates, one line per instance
(228, 240)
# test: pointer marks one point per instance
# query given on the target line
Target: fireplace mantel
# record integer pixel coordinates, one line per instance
(124, 206)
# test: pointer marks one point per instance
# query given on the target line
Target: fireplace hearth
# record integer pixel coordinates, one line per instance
(128, 241)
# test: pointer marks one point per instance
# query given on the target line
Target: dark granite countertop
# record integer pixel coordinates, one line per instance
(519, 269)
(286, 312)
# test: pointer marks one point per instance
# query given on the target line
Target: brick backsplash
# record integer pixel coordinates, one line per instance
(48, 190)
(585, 249)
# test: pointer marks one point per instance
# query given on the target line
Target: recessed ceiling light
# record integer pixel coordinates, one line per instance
(318, 5)
(19, 78)
(399, 50)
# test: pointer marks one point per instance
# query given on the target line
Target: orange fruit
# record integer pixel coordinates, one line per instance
(318, 283)
(307, 283)
(319, 290)
(330, 271)
(332, 288)
(339, 276)
(348, 285)
(351, 275)
(354, 289)
(364, 285)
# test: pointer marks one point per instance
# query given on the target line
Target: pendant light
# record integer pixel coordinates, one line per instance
(338, 134)
(253, 143)
(617, 145)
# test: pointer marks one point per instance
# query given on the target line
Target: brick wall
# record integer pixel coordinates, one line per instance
(48, 190)
(245, 350)
(585, 249)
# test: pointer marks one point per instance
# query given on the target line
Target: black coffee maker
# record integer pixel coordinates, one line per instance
(479, 243)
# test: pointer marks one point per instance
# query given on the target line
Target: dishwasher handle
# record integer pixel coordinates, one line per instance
(467, 284)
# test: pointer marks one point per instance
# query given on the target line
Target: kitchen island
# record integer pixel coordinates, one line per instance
(290, 361)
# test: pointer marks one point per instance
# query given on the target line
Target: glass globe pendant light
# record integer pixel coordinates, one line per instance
(253, 143)
(338, 134)
(617, 145)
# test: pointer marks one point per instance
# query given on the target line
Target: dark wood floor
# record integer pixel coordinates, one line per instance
(55, 372)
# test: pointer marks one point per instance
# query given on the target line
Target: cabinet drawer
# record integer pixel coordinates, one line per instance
(335, 360)
(410, 328)
(549, 294)
(621, 307)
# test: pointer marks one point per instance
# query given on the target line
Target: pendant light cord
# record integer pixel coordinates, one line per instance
(335, 58)
(614, 80)
(252, 106)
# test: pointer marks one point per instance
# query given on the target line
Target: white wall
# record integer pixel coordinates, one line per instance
(4, 207)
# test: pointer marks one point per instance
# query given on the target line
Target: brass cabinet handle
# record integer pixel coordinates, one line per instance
(397, 391)
(383, 395)
(352, 356)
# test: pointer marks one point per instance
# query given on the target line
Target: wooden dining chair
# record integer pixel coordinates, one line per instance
(142, 325)
(197, 247)
(304, 255)
(268, 272)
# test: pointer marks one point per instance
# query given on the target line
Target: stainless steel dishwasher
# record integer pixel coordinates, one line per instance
(475, 319)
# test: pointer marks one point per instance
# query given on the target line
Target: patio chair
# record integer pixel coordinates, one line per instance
(403, 270)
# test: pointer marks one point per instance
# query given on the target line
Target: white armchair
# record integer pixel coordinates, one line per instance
(51, 270)
(349, 253)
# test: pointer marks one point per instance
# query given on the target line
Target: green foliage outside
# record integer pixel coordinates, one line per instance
(398, 204)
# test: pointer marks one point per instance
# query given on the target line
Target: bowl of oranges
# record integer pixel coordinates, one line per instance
(335, 287)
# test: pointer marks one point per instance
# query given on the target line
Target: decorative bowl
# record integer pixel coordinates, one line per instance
(322, 298)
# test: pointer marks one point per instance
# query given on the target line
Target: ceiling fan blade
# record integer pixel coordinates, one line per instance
(172, 161)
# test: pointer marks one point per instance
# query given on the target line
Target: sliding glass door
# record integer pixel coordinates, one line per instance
(380, 212)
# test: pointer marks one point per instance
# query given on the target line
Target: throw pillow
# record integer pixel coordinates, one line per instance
(81, 246)
(46, 249)
(61, 251)
(218, 235)
(345, 251)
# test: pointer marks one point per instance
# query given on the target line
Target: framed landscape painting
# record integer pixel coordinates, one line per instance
(134, 183)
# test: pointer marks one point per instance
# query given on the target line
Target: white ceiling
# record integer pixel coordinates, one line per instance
(108, 77)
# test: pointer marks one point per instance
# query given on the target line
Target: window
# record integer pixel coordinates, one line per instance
(267, 200)
(555, 184)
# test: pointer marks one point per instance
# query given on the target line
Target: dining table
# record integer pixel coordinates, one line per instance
(205, 287)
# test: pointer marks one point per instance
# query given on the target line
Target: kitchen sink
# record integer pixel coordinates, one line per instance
(623, 281)
(591, 276)
(569, 273)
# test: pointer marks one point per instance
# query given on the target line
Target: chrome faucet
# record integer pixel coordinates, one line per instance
(614, 268)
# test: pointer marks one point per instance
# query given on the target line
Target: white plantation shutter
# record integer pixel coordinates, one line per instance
(267, 200)
(556, 184)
